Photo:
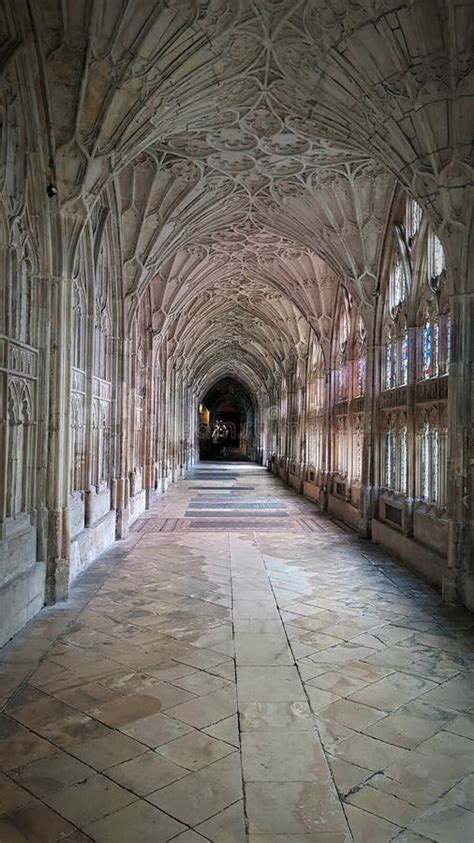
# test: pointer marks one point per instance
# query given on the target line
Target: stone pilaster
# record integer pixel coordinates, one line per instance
(58, 463)
(458, 580)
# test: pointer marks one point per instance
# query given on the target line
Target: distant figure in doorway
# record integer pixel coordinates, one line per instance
(220, 438)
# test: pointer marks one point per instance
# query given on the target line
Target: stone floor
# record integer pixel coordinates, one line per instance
(230, 677)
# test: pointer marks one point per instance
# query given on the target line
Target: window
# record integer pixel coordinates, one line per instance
(360, 379)
(432, 457)
(357, 451)
(425, 461)
(447, 344)
(398, 285)
(435, 465)
(314, 438)
(341, 364)
(404, 359)
(430, 349)
(436, 260)
(404, 460)
(341, 446)
(413, 217)
(389, 458)
(390, 363)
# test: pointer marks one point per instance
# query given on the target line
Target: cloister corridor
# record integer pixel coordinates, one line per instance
(236, 421)
(240, 668)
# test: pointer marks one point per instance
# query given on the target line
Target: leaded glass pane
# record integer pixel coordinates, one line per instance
(389, 459)
(425, 461)
(360, 383)
(404, 361)
(397, 283)
(435, 349)
(428, 350)
(390, 364)
(438, 257)
(413, 218)
(448, 344)
(403, 460)
(435, 466)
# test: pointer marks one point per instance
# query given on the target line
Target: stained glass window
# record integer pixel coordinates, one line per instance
(430, 350)
(427, 350)
(403, 460)
(389, 458)
(435, 349)
(397, 283)
(448, 343)
(435, 465)
(413, 218)
(358, 454)
(390, 364)
(438, 257)
(425, 461)
(360, 384)
(342, 383)
(404, 361)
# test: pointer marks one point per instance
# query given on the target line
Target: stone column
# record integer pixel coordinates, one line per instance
(368, 461)
(120, 484)
(59, 438)
(149, 424)
(458, 579)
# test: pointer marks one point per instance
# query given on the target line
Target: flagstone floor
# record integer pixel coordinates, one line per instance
(240, 669)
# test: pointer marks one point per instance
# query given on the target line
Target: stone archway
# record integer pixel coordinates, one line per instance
(227, 407)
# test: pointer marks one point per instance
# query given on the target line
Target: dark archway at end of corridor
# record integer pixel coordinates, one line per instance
(227, 422)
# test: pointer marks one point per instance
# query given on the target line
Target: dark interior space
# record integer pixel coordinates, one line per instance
(226, 428)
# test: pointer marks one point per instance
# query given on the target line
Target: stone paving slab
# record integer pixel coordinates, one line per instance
(270, 680)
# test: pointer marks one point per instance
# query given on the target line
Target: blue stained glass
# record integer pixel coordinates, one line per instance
(427, 350)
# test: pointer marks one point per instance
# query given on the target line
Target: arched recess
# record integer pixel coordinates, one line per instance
(227, 421)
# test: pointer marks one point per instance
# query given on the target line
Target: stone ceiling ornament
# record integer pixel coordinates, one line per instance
(251, 149)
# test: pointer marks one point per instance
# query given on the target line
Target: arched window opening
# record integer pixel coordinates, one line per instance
(432, 460)
(389, 463)
(357, 443)
(398, 287)
(359, 361)
(390, 363)
(341, 361)
(436, 260)
(413, 216)
(404, 363)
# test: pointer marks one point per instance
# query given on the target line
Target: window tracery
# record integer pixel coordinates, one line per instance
(342, 349)
(432, 455)
(389, 457)
(357, 450)
(20, 444)
(316, 405)
(418, 317)
(102, 387)
(413, 217)
(396, 354)
(360, 357)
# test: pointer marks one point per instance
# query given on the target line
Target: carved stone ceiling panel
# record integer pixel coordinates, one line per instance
(252, 149)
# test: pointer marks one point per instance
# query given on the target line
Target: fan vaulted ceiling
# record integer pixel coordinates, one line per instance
(252, 149)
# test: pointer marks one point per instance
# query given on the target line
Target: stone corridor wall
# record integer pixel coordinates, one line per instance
(360, 423)
(87, 387)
